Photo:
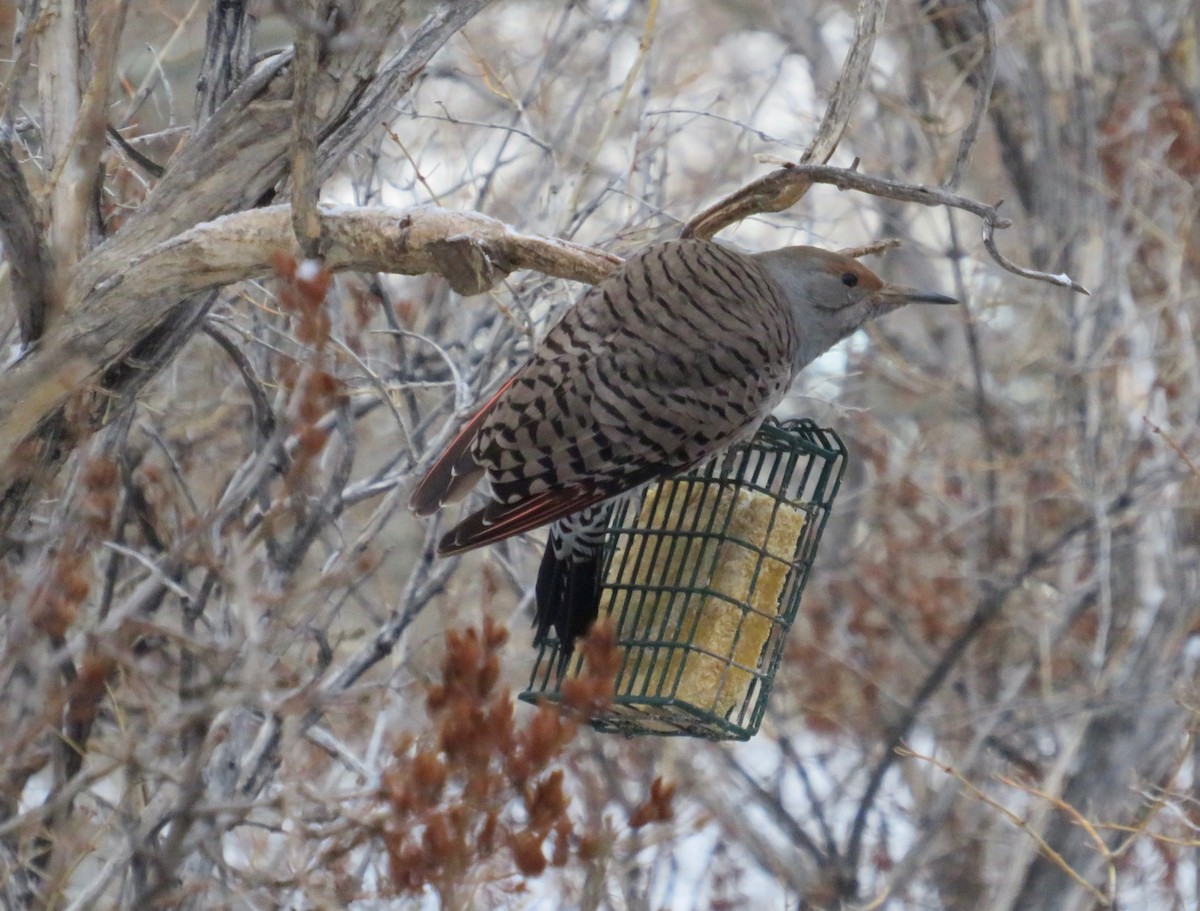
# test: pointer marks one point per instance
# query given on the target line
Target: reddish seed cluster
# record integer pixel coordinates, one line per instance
(88, 690)
(448, 802)
(101, 480)
(303, 295)
(57, 601)
(591, 693)
(657, 808)
(453, 805)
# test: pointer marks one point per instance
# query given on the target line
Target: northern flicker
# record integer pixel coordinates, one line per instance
(678, 354)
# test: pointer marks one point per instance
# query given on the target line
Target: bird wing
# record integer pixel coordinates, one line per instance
(658, 367)
(455, 472)
(575, 471)
(497, 521)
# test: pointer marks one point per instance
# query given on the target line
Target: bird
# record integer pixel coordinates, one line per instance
(675, 356)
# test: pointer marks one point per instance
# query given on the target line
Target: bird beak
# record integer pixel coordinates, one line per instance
(899, 294)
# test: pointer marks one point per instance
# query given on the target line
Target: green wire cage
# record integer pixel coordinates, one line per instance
(703, 575)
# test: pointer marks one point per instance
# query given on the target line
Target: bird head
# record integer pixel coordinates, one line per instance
(833, 295)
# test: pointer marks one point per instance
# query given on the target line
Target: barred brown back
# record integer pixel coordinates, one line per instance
(680, 353)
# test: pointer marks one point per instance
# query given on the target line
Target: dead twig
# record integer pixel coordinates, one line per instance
(780, 195)
(844, 99)
(306, 220)
(987, 78)
(33, 290)
(785, 186)
(1105, 900)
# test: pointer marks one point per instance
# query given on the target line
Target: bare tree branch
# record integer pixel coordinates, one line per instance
(25, 247)
(395, 76)
(74, 182)
(59, 98)
(842, 103)
(844, 100)
(983, 96)
(111, 317)
(985, 612)
(784, 187)
(222, 623)
(311, 42)
(253, 128)
(228, 53)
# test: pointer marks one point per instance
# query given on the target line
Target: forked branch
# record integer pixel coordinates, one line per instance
(784, 187)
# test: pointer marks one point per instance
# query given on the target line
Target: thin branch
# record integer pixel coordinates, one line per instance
(986, 611)
(228, 54)
(644, 44)
(814, 802)
(427, 579)
(103, 326)
(1044, 846)
(264, 418)
(156, 72)
(871, 249)
(1061, 279)
(25, 247)
(22, 40)
(149, 165)
(306, 188)
(741, 124)
(983, 406)
(1174, 444)
(780, 195)
(775, 809)
(163, 571)
(317, 511)
(395, 77)
(983, 96)
(868, 22)
(382, 393)
(75, 179)
(782, 188)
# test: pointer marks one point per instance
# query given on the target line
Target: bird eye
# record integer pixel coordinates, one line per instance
(849, 279)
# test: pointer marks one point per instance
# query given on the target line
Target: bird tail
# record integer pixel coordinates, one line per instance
(569, 580)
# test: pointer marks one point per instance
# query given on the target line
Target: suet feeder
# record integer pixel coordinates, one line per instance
(703, 575)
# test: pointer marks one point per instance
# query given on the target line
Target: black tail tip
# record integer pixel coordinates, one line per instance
(568, 600)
